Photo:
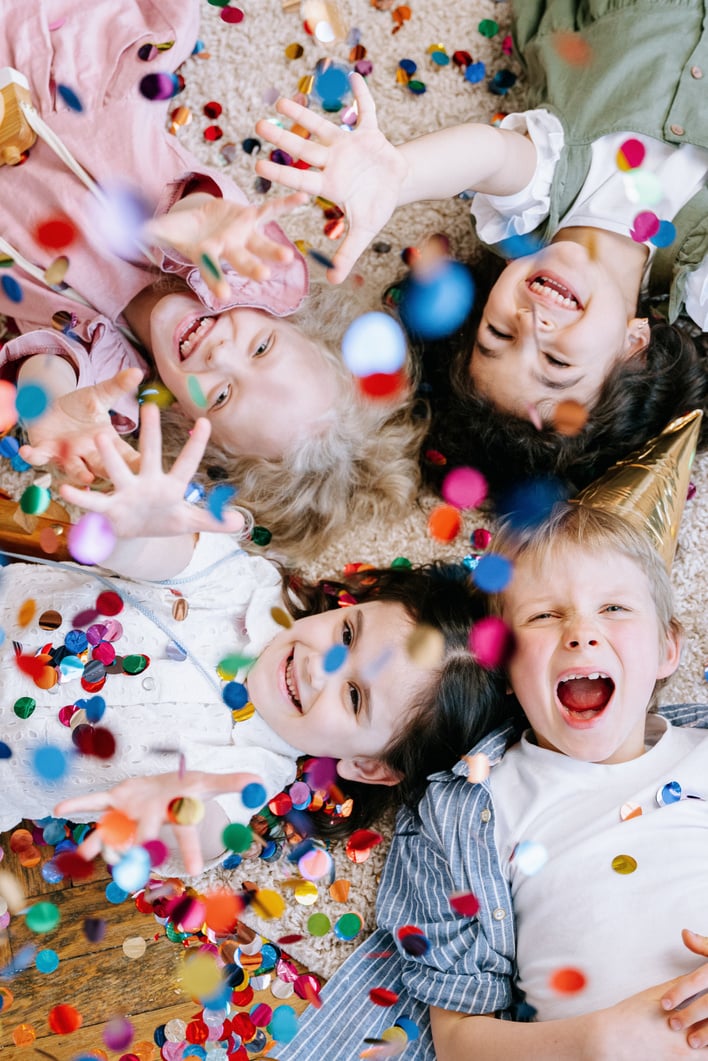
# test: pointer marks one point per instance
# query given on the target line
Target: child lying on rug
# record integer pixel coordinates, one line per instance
(386, 714)
(222, 318)
(584, 849)
(590, 234)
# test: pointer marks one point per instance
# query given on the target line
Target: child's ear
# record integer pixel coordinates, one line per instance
(637, 337)
(369, 771)
(672, 649)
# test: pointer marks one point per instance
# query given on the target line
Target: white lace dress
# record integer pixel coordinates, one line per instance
(173, 706)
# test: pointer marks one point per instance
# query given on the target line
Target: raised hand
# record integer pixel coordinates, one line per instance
(146, 800)
(360, 171)
(686, 1003)
(150, 502)
(65, 436)
(207, 230)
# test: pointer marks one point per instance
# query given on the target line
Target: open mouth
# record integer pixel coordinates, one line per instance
(193, 334)
(584, 696)
(554, 292)
(291, 681)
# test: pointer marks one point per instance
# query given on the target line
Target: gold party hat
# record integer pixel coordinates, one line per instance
(648, 489)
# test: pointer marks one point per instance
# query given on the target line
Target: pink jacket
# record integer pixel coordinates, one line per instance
(119, 135)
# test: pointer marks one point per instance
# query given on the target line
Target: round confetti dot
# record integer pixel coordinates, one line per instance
(629, 810)
(318, 924)
(381, 996)
(200, 976)
(374, 343)
(50, 620)
(42, 917)
(64, 1019)
(493, 573)
(135, 664)
(35, 500)
(644, 188)
(46, 961)
(231, 15)
(115, 895)
(413, 941)
(464, 488)
(24, 707)
(567, 981)
(237, 837)
(488, 27)
(645, 225)
(117, 1034)
(133, 947)
(624, 864)
(253, 796)
(530, 857)
(569, 418)
(92, 539)
(665, 235)
(283, 1025)
(133, 870)
(669, 793)
(436, 302)
(24, 1035)
(31, 401)
(334, 658)
(490, 642)
(268, 904)
(466, 904)
(185, 810)
(213, 132)
(348, 926)
(55, 233)
(630, 154)
(109, 603)
(331, 85)
(11, 288)
(425, 645)
(160, 85)
(444, 523)
(49, 763)
(235, 695)
(572, 48)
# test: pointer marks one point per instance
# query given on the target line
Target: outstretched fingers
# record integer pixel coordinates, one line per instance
(189, 458)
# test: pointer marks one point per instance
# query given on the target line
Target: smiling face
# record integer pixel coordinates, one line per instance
(261, 383)
(352, 713)
(589, 650)
(554, 325)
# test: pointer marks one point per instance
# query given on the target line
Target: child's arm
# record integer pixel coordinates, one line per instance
(146, 800)
(155, 526)
(369, 178)
(65, 434)
(636, 1027)
(207, 230)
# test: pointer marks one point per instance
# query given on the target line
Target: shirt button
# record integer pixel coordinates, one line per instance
(499, 914)
(677, 130)
(696, 72)
(486, 814)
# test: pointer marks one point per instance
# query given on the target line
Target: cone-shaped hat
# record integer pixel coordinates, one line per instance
(648, 488)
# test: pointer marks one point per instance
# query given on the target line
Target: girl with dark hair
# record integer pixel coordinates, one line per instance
(597, 196)
(329, 670)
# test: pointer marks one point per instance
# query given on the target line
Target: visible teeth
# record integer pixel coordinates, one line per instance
(290, 683)
(550, 293)
(193, 336)
(576, 677)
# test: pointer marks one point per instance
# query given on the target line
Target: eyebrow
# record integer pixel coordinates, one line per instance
(550, 383)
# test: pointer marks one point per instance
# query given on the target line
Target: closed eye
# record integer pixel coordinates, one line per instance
(555, 362)
(496, 333)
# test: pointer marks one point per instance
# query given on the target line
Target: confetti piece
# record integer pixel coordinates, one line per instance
(374, 343)
(444, 523)
(464, 488)
(567, 981)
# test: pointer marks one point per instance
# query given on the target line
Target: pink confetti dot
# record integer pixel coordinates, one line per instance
(464, 488)
(489, 641)
(645, 225)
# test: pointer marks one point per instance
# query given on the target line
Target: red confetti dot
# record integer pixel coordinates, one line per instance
(72, 865)
(245, 997)
(630, 154)
(466, 904)
(213, 132)
(567, 981)
(243, 1026)
(381, 996)
(64, 1019)
(109, 603)
(232, 15)
(361, 843)
(55, 233)
(383, 384)
(212, 109)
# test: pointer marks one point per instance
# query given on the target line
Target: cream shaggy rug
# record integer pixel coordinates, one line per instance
(244, 67)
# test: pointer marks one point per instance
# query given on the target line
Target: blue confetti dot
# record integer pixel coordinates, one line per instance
(492, 573)
(11, 288)
(232, 862)
(409, 66)
(76, 641)
(475, 73)
(9, 446)
(283, 1024)
(5, 750)
(438, 302)
(49, 762)
(19, 465)
(235, 695)
(334, 658)
(70, 98)
(194, 493)
(115, 895)
(409, 1027)
(51, 873)
(527, 504)
(95, 708)
(47, 961)
(520, 245)
(217, 499)
(31, 401)
(253, 795)
(665, 236)
(331, 85)
(53, 831)
(670, 793)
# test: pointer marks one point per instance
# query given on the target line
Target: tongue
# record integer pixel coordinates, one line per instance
(585, 694)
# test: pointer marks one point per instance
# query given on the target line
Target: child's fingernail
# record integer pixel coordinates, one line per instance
(667, 1003)
(675, 1024)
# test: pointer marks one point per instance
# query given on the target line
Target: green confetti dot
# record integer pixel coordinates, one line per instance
(24, 707)
(237, 837)
(318, 925)
(42, 917)
(195, 392)
(35, 500)
(488, 27)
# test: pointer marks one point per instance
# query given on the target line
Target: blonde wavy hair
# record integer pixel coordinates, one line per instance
(360, 462)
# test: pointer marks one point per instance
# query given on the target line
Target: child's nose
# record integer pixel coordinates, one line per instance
(581, 634)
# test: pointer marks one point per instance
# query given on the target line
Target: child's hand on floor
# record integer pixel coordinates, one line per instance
(65, 435)
(691, 1016)
(147, 801)
(207, 231)
(360, 171)
(150, 503)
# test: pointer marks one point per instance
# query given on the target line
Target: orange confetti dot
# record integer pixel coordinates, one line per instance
(49, 540)
(222, 910)
(116, 829)
(20, 840)
(444, 523)
(24, 1035)
(569, 418)
(572, 48)
(339, 890)
(567, 981)
(26, 612)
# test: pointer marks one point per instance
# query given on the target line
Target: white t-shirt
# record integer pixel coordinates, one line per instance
(609, 199)
(620, 930)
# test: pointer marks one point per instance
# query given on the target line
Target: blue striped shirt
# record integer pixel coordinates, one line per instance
(470, 966)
